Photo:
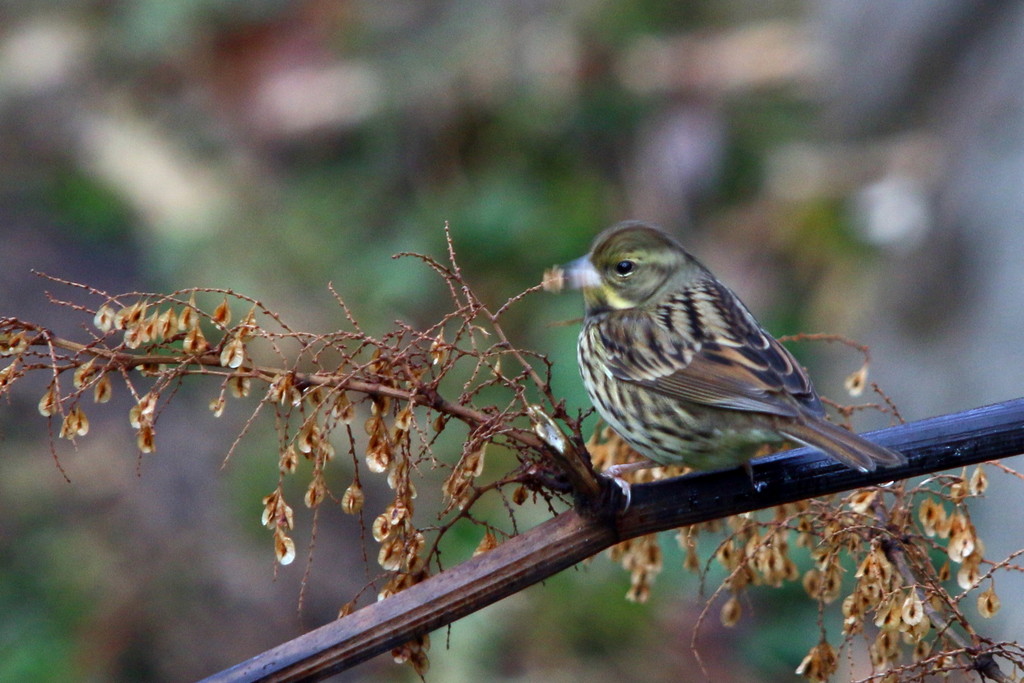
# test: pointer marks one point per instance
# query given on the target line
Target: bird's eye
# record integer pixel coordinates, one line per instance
(624, 268)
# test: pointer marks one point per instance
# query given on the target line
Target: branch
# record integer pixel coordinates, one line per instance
(569, 457)
(210, 362)
(930, 445)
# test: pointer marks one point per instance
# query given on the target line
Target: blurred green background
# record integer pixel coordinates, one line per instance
(849, 167)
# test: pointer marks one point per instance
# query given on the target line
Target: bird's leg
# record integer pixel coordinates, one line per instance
(754, 483)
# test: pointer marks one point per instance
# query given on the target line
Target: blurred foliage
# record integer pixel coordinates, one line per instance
(196, 136)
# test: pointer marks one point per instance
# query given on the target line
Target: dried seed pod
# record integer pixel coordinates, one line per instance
(104, 318)
(889, 614)
(83, 422)
(832, 582)
(912, 610)
(8, 375)
(819, 664)
(812, 583)
(188, 319)
(727, 555)
(308, 439)
(222, 314)
(988, 602)
(134, 336)
(145, 439)
(276, 512)
(343, 410)
(380, 406)
(381, 528)
(487, 543)
(84, 373)
(932, 515)
(457, 488)
(282, 390)
(284, 547)
(353, 499)
(398, 475)
(962, 538)
(240, 385)
(438, 350)
(473, 464)
(217, 406)
(195, 343)
(378, 455)
(151, 327)
(691, 561)
(233, 353)
(131, 315)
(398, 512)
(390, 555)
(13, 345)
(978, 482)
(860, 501)
(102, 390)
(75, 424)
(269, 508)
(520, 495)
(315, 493)
(314, 397)
(922, 650)
(289, 460)
(731, 612)
(639, 588)
(875, 567)
(553, 280)
(853, 614)
(247, 328)
(969, 574)
(404, 419)
(49, 404)
(326, 450)
(165, 324)
(150, 369)
(856, 381)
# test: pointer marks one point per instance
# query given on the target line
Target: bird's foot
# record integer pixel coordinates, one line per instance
(755, 483)
(624, 486)
(615, 473)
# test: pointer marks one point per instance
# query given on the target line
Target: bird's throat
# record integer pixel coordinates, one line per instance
(600, 300)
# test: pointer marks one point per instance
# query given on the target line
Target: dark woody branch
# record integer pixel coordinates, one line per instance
(931, 445)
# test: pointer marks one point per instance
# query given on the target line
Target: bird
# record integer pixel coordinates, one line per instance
(678, 366)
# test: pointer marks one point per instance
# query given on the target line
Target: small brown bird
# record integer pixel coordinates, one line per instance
(679, 367)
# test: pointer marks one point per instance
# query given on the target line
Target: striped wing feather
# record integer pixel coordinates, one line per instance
(696, 349)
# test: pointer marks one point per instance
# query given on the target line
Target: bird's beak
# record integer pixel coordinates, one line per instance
(581, 274)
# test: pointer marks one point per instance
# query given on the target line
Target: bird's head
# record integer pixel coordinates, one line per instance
(630, 265)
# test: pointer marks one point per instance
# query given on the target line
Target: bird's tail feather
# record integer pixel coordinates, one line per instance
(842, 444)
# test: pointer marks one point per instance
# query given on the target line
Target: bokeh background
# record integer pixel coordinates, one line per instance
(848, 166)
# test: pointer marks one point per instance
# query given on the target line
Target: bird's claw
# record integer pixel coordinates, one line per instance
(624, 486)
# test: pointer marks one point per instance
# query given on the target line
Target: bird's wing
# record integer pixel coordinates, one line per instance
(696, 350)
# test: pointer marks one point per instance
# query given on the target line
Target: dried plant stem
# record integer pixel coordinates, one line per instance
(572, 462)
(210, 363)
(980, 659)
(931, 445)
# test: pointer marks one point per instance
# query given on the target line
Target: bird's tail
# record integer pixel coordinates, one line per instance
(842, 444)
